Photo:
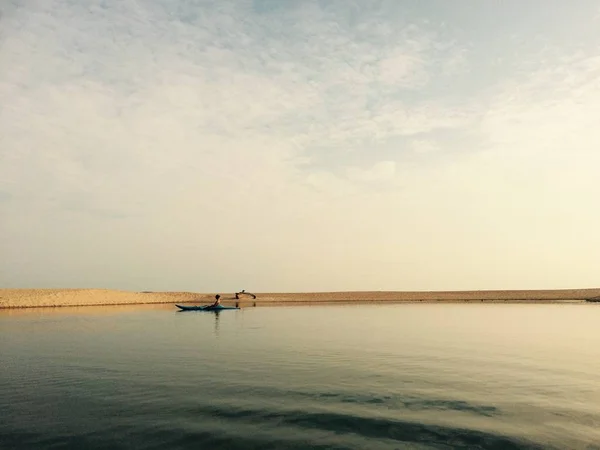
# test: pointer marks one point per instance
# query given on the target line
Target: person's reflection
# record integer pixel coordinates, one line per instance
(216, 313)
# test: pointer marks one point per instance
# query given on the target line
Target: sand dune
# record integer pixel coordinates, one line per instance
(28, 298)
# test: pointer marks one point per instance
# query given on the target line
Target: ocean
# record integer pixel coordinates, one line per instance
(408, 376)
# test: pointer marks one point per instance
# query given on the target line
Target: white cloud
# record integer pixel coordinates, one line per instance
(424, 146)
(380, 171)
(401, 70)
(173, 138)
(127, 92)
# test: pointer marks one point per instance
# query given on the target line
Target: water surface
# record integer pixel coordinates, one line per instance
(440, 376)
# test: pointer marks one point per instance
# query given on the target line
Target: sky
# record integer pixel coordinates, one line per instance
(284, 146)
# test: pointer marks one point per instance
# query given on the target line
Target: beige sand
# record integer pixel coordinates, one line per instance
(27, 298)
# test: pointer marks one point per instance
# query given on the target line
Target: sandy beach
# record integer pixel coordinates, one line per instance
(31, 298)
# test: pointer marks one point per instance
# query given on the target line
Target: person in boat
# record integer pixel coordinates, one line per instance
(217, 300)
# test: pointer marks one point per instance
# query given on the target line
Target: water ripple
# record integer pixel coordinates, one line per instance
(369, 427)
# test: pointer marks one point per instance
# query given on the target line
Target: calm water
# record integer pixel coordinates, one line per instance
(358, 377)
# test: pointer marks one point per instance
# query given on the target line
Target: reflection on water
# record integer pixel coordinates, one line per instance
(376, 377)
(83, 310)
(214, 313)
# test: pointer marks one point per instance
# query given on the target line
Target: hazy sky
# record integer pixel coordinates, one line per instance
(275, 145)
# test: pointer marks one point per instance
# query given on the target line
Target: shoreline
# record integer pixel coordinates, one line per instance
(43, 298)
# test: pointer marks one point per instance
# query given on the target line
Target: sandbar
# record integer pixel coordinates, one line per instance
(32, 298)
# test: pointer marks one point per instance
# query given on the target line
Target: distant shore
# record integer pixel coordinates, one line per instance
(35, 298)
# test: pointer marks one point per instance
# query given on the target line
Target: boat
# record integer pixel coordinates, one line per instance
(205, 308)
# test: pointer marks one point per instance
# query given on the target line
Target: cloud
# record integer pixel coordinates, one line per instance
(244, 140)
(381, 171)
(142, 92)
(424, 146)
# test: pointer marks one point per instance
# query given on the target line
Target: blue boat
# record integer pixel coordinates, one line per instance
(205, 308)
